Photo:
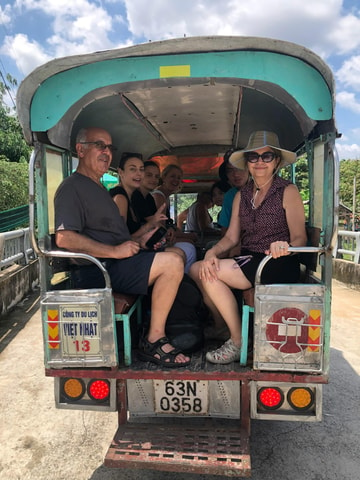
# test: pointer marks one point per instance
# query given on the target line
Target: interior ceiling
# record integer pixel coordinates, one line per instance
(189, 118)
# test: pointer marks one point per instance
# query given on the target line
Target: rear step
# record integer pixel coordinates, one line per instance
(209, 449)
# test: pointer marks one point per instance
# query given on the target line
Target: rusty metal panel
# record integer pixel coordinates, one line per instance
(207, 449)
(289, 327)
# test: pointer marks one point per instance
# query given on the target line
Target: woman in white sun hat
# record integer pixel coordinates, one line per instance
(268, 216)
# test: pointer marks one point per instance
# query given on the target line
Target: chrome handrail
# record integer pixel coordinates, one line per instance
(265, 260)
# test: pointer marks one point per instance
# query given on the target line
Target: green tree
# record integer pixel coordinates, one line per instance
(12, 143)
(350, 169)
(14, 156)
(13, 184)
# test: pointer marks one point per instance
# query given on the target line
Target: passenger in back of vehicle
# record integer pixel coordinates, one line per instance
(268, 215)
(237, 178)
(170, 183)
(88, 221)
(217, 193)
(142, 201)
(198, 218)
(131, 173)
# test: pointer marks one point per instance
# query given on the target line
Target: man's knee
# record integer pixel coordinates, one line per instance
(169, 262)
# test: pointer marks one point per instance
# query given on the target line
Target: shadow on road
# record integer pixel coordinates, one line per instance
(16, 319)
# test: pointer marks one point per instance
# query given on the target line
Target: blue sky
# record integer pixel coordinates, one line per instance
(35, 31)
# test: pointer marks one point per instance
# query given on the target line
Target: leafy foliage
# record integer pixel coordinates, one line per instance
(14, 155)
(12, 143)
(13, 184)
(350, 170)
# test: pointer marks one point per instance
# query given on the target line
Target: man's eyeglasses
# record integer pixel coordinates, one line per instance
(99, 145)
(253, 157)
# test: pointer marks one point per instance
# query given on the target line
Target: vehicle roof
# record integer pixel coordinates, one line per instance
(168, 97)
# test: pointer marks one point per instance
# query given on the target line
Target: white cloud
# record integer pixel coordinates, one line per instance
(349, 73)
(79, 26)
(348, 151)
(26, 54)
(319, 25)
(82, 34)
(343, 34)
(348, 100)
(5, 14)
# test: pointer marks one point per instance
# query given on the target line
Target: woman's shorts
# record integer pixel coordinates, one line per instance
(285, 269)
(128, 275)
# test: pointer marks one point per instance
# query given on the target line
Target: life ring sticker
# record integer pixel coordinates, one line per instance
(287, 330)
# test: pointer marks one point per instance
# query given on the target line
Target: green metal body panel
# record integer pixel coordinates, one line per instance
(291, 74)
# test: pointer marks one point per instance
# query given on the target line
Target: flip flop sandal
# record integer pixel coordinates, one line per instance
(166, 359)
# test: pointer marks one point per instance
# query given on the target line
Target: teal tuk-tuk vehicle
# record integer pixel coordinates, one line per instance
(186, 101)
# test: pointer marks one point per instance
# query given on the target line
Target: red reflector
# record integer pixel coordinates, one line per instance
(99, 390)
(270, 398)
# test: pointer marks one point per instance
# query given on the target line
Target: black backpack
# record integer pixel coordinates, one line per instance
(187, 318)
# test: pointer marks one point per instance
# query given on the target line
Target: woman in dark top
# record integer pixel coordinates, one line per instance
(268, 215)
(131, 173)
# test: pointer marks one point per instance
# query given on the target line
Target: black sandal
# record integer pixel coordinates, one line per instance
(166, 359)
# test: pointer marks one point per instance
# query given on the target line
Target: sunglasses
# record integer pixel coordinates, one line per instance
(242, 260)
(267, 157)
(99, 145)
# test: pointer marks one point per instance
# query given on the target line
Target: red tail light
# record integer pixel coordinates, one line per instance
(99, 390)
(270, 398)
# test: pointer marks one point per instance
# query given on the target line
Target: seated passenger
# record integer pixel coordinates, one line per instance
(131, 173)
(237, 178)
(170, 183)
(88, 221)
(198, 218)
(142, 200)
(268, 214)
(217, 193)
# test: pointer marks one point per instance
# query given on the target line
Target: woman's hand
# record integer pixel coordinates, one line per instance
(159, 215)
(209, 267)
(278, 249)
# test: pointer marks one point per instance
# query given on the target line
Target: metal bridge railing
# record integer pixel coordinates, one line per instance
(348, 243)
(15, 247)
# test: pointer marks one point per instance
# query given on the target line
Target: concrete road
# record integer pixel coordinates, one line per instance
(38, 442)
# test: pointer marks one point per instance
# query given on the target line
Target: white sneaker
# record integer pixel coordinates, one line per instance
(227, 353)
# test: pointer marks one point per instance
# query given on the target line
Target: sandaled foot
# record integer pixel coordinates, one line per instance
(155, 353)
(227, 353)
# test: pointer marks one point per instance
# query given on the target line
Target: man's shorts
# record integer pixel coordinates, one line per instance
(128, 275)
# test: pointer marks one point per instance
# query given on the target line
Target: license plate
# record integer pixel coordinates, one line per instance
(183, 397)
(80, 332)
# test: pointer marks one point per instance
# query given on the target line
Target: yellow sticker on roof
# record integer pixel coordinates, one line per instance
(175, 71)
